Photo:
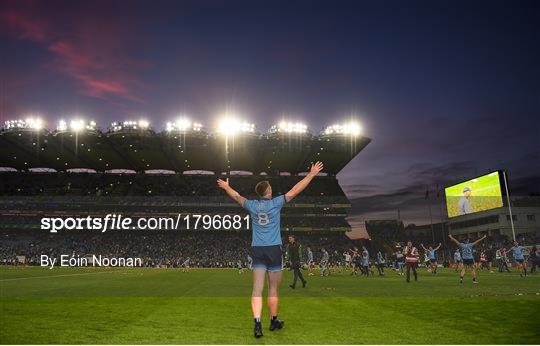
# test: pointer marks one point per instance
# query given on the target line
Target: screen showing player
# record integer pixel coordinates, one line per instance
(471, 196)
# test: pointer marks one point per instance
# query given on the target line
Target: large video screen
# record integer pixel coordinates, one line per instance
(471, 196)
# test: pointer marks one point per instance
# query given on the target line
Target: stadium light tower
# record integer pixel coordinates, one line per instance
(289, 127)
(183, 124)
(76, 125)
(30, 123)
(351, 128)
(231, 126)
(129, 125)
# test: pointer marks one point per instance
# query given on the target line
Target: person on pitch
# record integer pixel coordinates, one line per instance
(411, 261)
(310, 262)
(468, 257)
(266, 242)
(293, 253)
(457, 259)
(324, 264)
(432, 256)
(519, 256)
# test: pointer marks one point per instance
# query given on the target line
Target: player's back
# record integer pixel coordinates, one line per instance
(265, 220)
(467, 250)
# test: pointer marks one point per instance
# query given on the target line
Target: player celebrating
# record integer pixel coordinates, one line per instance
(517, 250)
(468, 257)
(266, 242)
(432, 257)
(411, 260)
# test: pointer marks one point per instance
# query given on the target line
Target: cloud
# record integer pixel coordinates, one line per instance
(81, 50)
(24, 25)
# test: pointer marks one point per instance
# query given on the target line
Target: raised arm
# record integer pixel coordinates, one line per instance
(479, 240)
(438, 247)
(423, 247)
(302, 184)
(224, 184)
(453, 239)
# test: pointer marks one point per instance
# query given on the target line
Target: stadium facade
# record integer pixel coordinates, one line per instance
(496, 222)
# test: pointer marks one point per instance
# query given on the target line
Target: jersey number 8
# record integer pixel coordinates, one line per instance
(263, 219)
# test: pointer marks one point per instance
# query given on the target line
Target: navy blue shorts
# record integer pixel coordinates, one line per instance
(468, 261)
(269, 258)
(433, 260)
(520, 260)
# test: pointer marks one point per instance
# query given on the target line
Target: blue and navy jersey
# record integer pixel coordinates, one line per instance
(431, 254)
(467, 250)
(518, 252)
(265, 220)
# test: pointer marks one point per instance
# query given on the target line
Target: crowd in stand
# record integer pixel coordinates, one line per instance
(170, 249)
(100, 184)
(208, 248)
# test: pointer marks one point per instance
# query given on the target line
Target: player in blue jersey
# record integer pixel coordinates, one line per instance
(185, 265)
(266, 242)
(468, 257)
(519, 256)
(457, 259)
(432, 257)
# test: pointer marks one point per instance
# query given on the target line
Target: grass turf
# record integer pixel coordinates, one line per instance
(165, 306)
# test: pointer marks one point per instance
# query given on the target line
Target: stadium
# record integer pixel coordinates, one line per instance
(134, 171)
(80, 171)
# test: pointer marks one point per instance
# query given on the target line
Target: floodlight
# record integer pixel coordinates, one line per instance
(143, 124)
(34, 123)
(351, 128)
(76, 125)
(232, 126)
(29, 123)
(289, 127)
(62, 125)
(183, 125)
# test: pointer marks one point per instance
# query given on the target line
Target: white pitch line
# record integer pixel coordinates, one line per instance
(57, 276)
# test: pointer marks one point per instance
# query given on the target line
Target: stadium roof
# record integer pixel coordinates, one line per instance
(179, 152)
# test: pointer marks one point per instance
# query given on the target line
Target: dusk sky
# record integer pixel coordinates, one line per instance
(446, 89)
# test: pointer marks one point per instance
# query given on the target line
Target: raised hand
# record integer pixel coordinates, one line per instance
(316, 168)
(223, 183)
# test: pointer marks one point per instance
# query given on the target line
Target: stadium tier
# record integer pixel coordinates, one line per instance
(70, 174)
(143, 151)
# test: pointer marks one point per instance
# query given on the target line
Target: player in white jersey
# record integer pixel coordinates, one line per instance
(249, 262)
(348, 258)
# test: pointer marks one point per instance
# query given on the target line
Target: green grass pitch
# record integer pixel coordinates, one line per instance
(166, 306)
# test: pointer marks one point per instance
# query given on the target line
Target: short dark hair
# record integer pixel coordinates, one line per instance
(261, 187)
